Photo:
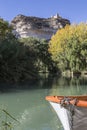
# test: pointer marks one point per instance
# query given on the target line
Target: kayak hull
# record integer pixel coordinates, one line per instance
(73, 116)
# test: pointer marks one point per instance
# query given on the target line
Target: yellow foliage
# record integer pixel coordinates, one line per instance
(74, 32)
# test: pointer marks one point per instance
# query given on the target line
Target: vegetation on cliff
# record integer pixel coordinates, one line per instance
(69, 47)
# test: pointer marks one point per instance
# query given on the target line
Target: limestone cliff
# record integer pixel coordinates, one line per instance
(42, 28)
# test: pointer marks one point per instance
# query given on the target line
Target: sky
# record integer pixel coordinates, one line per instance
(74, 10)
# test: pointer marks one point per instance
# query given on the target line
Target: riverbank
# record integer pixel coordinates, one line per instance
(69, 73)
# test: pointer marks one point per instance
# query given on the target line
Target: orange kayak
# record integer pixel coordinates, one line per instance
(71, 110)
(80, 101)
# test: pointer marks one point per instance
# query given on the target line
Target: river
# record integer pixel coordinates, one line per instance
(26, 102)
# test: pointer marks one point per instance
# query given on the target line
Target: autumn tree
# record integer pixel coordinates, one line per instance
(69, 47)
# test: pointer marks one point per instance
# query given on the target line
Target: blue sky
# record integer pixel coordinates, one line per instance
(74, 10)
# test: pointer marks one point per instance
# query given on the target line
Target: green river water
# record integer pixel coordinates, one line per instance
(26, 102)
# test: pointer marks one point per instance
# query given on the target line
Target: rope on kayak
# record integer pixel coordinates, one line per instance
(65, 102)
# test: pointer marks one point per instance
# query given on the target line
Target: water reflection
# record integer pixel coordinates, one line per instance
(69, 86)
(26, 101)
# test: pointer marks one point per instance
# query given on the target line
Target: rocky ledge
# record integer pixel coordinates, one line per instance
(42, 28)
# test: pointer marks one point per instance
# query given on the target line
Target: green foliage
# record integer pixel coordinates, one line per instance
(42, 58)
(6, 31)
(68, 47)
(16, 63)
(22, 59)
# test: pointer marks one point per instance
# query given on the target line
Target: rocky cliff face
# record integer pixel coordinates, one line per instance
(42, 28)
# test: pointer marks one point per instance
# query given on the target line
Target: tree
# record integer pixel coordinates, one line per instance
(42, 58)
(6, 31)
(68, 47)
(15, 58)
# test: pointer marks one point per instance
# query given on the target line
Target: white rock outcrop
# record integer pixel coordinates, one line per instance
(42, 28)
